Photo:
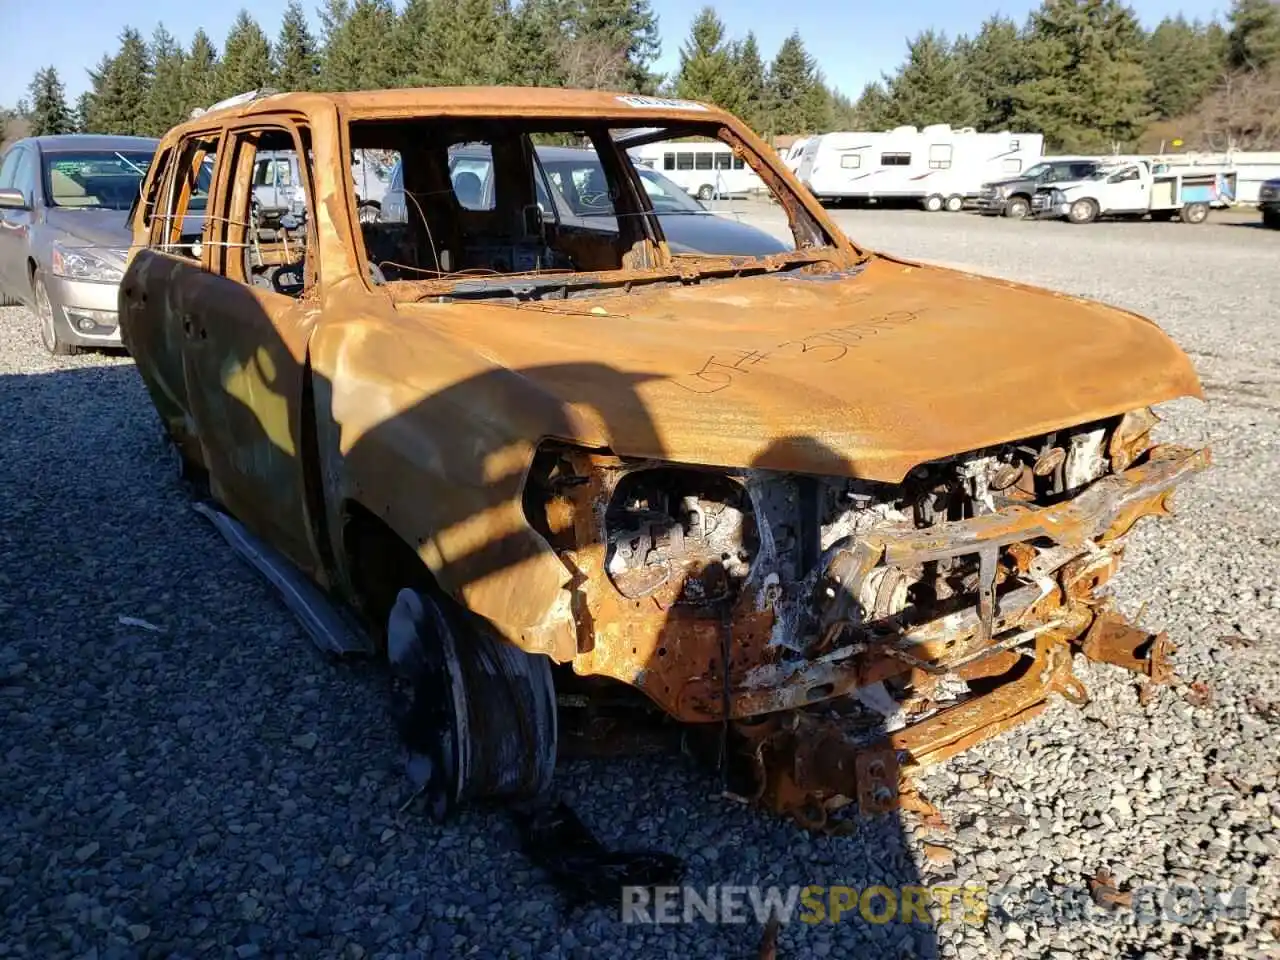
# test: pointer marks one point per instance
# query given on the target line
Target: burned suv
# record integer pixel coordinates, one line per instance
(839, 513)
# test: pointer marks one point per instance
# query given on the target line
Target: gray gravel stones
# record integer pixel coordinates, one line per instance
(216, 788)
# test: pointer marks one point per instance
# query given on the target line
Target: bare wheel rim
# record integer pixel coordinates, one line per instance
(483, 719)
(44, 312)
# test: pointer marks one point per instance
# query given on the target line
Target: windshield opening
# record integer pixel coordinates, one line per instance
(482, 199)
(94, 179)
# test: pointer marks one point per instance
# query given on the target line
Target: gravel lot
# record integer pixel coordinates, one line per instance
(215, 788)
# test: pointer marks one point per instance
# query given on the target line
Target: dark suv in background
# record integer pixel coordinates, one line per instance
(1269, 203)
(1012, 195)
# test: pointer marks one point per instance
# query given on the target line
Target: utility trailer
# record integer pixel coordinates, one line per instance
(1136, 189)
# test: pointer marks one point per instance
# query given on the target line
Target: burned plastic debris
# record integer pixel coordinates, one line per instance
(585, 871)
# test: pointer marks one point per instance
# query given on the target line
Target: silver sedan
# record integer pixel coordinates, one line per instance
(64, 203)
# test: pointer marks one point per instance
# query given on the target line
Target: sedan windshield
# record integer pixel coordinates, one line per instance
(96, 179)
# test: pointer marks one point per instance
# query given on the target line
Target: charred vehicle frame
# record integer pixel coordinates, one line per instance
(823, 508)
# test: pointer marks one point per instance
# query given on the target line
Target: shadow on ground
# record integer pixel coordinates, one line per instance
(185, 774)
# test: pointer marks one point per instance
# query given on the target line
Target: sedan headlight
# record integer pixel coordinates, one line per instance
(75, 264)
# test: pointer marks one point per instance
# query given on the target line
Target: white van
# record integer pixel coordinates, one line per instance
(703, 168)
(938, 166)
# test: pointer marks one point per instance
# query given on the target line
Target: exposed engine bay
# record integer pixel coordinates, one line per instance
(778, 603)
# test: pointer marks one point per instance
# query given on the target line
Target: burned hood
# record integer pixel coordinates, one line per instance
(866, 373)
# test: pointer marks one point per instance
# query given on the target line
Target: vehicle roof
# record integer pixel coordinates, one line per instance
(56, 143)
(472, 101)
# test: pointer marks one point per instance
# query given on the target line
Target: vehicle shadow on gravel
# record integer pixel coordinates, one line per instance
(188, 775)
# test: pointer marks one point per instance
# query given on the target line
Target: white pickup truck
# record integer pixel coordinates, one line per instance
(1137, 188)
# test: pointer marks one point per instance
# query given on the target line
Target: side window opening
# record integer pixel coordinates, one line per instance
(161, 173)
(724, 161)
(25, 177)
(684, 161)
(668, 161)
(9, 167)
(269, 233)
(703, 161)
(895, 159)
(180, 229)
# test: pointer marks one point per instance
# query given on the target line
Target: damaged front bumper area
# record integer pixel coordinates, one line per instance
(827, 691)
(1012, 652)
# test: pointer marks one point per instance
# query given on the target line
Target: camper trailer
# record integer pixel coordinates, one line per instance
(938, 166)
(705, 169)
(792, 155)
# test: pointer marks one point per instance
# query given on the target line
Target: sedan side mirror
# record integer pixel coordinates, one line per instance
(13, 199)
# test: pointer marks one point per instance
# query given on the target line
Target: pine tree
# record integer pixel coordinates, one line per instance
(1253, 42)
(88, 112)
(929, 86)
(165, 104)
(872, 110)
(360, 45)
(120, 105)
(1182, 65)
(200, 73)
(1089, 88)
(462, 43)
(246, 58)
(83, 114)
(707, 64)
(793, 104)
(627, 26)
(48, 113)
(295, 57)
(750, 74)
(993, 64)
(536, 34)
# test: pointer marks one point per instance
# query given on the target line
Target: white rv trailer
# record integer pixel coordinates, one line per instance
(791, 157)
(704, 168)
(937, 165)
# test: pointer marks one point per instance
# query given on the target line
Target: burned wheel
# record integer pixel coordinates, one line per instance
(482, 719)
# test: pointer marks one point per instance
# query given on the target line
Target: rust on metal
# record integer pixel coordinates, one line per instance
(854, 511)
(1114, 640)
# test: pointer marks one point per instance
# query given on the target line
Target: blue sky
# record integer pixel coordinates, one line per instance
(853, 42)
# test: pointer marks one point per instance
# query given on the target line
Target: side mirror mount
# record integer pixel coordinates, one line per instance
(13, 199)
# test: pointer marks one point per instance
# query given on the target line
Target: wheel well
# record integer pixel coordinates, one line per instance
(380, 564)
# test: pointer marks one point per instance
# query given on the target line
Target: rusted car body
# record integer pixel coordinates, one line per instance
(847, 513)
